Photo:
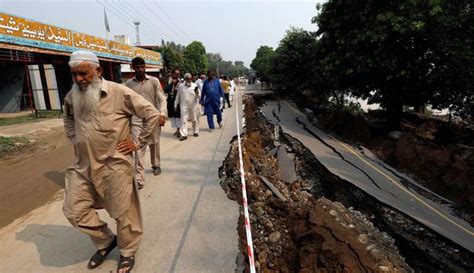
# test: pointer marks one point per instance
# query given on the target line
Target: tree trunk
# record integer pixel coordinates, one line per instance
(419, 108)
(394, 112)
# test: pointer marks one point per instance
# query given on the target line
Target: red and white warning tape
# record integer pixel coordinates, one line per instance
(248, 231)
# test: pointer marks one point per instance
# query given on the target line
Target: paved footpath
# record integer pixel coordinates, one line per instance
(190, 225)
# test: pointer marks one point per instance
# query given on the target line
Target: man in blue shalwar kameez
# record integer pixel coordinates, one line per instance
(211, 99)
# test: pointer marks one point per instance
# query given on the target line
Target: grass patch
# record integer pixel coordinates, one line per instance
(29, 118)
(11, 144)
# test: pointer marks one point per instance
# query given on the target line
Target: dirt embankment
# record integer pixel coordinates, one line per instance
(295, 227)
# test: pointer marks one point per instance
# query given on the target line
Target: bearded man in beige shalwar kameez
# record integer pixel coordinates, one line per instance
(97, 115)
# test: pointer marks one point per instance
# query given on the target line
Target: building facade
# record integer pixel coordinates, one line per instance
(34, 73)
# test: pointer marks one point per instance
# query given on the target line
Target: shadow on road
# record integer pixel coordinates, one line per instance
(57, 246)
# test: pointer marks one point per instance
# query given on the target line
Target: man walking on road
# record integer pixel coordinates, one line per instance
(225, 83)
(150, 88)
(188, 98)
(171, 91)
(199, 82)
(97, 116)
(211, 99)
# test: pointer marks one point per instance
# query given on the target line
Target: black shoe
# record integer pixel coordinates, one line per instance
(196, 134)
(126, 262)
(98, 258)
(183, 138)
(156, 170)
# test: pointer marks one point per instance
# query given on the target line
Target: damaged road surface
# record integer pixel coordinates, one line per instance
(347, 163)
(319, 205)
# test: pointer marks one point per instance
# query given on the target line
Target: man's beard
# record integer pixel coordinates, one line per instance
(86, 99)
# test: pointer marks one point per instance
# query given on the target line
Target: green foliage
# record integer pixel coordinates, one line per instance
(263, 62)
(398, 52)
(195, 59)
(339, 102)
(236, 69)
(293, 61)
(215, 61)
(173, 55)
(10, 144)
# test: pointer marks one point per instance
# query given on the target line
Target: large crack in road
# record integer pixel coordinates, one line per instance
(385, 186)
(336, 152)
(424, 249)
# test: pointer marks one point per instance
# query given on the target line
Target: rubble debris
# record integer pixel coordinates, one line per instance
(394, 135)
(306, 233)
(272, 188)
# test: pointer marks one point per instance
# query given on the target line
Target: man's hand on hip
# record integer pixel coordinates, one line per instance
(162, 121)
(127, 146)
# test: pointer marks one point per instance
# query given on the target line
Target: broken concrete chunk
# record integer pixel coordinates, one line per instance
(286, 162)
(259, 211)
(272, 188)
(394, 135)
(363, 238)
(275, 236)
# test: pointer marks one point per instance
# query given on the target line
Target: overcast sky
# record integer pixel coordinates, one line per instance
(233, 28)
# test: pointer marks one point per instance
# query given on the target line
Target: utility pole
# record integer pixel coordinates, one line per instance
(137, 29)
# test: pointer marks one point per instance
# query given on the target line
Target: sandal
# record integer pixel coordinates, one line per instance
(126, 262)
(98, 258)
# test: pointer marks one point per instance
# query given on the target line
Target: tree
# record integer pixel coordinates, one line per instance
(238, 69)
(214, 60)
(195, 59)
(262, 62)
(393, 52)
(452, 76)
(293, 62)
(223, 67)
(172, 55)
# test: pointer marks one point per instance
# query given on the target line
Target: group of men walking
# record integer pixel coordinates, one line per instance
(110, 126)
(189, 99)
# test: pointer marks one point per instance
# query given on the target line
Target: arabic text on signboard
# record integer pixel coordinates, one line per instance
(23, 28)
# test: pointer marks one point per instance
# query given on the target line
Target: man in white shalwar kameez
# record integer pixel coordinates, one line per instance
(188, 100)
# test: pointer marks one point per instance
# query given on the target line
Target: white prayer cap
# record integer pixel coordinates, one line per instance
(82, 55)
(187, 76)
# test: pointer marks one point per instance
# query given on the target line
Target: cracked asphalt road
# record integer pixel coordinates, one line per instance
(353, 166)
